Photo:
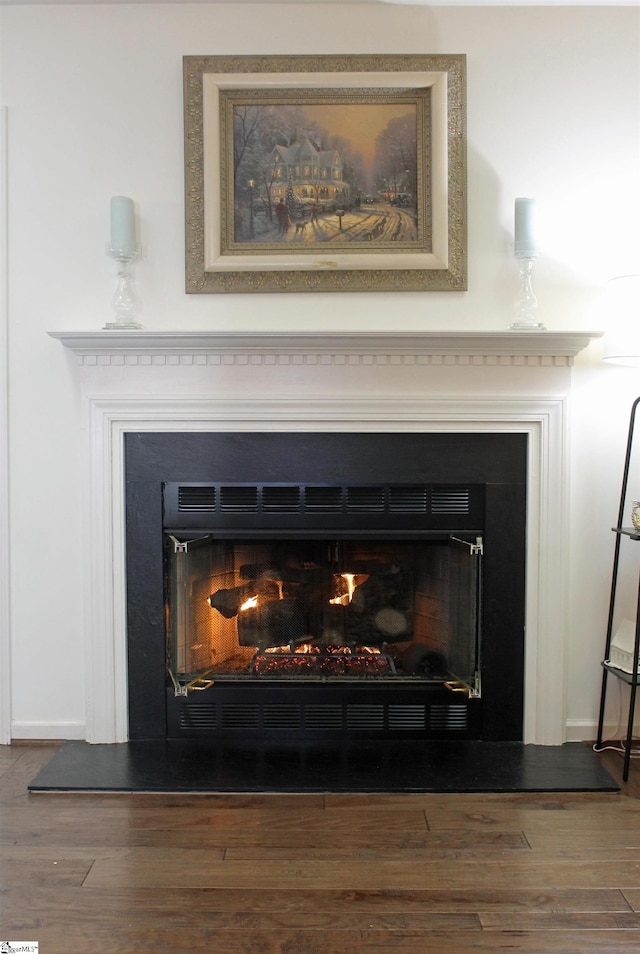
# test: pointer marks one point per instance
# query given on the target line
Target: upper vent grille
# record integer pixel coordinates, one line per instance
(410, 507)
(367, 499)
(197, 499)
(239, 499)
(327, 499)
(284, 499)
(450, 500)
(408, 499)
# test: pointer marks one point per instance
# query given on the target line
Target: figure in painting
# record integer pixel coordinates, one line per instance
(284, 220)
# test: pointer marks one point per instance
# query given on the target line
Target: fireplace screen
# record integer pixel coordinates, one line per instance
(322, 610)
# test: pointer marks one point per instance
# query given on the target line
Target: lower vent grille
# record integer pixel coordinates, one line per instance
(407, 717)
(282, 717)
(199, 717)
(437, 720)
(448, 718)
(365, 717)
(240, 717)
(323, 717)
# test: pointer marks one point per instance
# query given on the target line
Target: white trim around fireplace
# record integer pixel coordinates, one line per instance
(5, 599)
(542, 419)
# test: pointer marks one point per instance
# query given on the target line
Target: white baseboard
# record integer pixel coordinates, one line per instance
(587, 731)
(47, 731)
(581, 731)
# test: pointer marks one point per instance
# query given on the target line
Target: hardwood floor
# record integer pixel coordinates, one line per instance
(317, 874)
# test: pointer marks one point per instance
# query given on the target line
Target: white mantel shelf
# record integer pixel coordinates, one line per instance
(428, 347)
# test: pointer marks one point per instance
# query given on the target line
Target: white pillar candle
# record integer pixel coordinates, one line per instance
(526, 243)
(123, 228)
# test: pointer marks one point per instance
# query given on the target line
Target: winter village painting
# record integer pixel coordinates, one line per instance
(330, 173)
(325, 173)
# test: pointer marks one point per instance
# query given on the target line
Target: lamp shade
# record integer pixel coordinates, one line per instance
(622, 338)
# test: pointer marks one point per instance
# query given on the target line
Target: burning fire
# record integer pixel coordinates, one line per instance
(321, 643)
(345, 599)
(350, 579)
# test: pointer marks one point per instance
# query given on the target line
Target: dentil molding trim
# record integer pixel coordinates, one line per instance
(538, 348)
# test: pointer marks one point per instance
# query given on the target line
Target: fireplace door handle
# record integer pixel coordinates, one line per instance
(455, 686)
(200, 683)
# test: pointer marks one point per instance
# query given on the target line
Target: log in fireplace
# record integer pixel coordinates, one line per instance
(325, 585)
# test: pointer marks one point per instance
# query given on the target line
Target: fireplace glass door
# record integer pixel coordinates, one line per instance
(323, 610)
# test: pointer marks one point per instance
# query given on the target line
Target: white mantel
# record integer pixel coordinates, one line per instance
(431, 347)
(514, 382)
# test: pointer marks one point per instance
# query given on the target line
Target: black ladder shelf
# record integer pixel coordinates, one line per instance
(631, 678)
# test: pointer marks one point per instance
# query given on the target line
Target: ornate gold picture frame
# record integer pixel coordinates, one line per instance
(325, 173)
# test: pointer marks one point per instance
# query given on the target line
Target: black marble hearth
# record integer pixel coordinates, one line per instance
(201, 766)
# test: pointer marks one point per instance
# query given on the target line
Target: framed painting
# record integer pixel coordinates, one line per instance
(325, 173)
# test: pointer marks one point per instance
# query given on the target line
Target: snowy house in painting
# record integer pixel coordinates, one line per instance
(312, 174)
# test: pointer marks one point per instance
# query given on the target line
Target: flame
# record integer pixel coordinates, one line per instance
(345, 599)
(250, 603)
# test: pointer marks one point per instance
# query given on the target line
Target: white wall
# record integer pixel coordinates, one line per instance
(94, 104)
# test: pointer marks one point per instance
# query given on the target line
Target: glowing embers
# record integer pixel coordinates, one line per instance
(312, 659)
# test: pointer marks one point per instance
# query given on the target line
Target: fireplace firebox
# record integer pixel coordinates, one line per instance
(326, 585)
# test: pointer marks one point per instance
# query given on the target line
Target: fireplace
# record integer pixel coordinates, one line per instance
(325, 585)
(427, 382)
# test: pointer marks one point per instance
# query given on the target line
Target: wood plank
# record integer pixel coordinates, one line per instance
(586, 839)
(632, 896)
(180, 904)
(225, 829)
(613, 762)
(429, 847)
(151, 857)
(127, 936)
(146, 816)
(129, 867)
(601, 921)
(614, 818)
(490, 942)
(13, 784)
(40, 872)
(470, 801)
(277, 920)
(114, 836)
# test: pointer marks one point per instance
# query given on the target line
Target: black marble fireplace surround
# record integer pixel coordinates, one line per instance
(496, 460)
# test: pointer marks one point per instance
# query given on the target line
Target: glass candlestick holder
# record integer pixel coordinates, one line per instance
(527, 303)
(126, 303)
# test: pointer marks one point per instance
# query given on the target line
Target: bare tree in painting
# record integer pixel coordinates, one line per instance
(396, 156)
(256, 130)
